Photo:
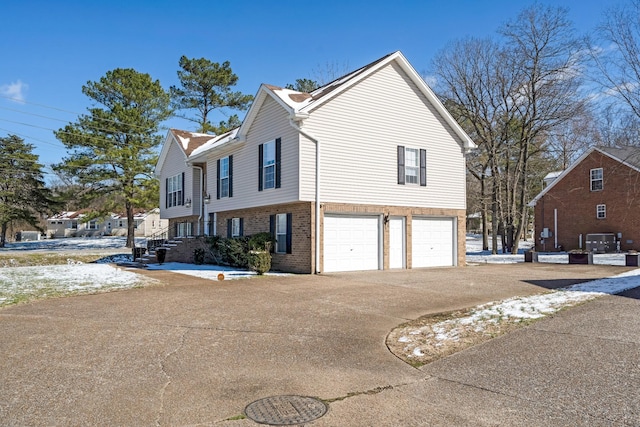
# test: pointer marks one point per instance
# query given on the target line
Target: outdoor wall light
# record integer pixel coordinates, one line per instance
(187, 203)
(207, 199)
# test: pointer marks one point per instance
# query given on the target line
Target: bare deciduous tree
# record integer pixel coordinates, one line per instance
(618, 62)
(510, 97)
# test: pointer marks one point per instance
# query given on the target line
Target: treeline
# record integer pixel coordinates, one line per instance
(533, 98)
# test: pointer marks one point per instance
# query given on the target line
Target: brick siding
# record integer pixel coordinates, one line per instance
(302, 258)
(576, 206)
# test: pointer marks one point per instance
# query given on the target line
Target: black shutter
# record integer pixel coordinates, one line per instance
(289, 232)
(401, 164)
(272, 231)
(218, 179)
(260, 166)
(242, 226)
(229, 225)
(231, 177)
(423, 167)
(166, 193)
(182, 192)
(278, 157)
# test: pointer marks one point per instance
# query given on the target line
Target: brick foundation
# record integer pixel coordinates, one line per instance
(302, 258)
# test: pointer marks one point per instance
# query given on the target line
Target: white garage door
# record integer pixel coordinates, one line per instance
(432, 242)
(351, 243)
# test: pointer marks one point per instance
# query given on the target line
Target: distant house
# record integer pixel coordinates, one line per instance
(147, 223)
(74, 224)
(592, 205)
(364, 173)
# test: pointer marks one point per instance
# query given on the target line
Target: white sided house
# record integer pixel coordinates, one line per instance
(75, 224)
(364, 173)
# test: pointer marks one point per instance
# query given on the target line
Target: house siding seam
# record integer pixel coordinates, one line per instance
(359, 132)
(576, 205)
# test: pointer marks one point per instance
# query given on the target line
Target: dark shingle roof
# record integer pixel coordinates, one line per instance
(629, 155)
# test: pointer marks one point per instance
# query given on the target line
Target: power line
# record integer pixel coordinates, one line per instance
(32, 138)
(56, 109)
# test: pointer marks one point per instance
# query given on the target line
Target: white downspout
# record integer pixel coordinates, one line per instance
(201, 207)
(317, 201)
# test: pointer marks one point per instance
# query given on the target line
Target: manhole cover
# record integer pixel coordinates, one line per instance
(285, 410)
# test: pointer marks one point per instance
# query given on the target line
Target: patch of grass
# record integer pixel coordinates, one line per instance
(237, 417)
(35, 259)
(431, 348)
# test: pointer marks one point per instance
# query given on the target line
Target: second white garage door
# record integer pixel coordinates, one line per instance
(351, 243)
(432, 242)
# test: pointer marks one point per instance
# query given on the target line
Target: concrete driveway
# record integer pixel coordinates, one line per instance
(196, 352)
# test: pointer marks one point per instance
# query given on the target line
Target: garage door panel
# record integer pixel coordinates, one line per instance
(432, 242)
(351, 243)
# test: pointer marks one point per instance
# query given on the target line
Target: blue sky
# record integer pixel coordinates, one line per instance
(49, 49)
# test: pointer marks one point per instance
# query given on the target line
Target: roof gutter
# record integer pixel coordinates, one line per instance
(295, 120)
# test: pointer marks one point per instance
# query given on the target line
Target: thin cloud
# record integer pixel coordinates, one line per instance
(16, 91)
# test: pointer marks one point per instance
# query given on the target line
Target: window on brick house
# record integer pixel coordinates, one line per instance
(596, 179)
(601, 211)
(281, 227)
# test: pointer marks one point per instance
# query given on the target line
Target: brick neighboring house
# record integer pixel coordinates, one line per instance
(364, 173)
(599, 194)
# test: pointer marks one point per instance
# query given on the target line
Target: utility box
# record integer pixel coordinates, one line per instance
(601, 243)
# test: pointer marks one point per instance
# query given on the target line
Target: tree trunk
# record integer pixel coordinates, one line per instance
(3, 235)
(494, 217)
(485, 214)
(131, 230)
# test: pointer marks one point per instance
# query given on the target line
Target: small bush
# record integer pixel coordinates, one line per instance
(240, 251)
(198, 256)
(260, 261)
(261, 242)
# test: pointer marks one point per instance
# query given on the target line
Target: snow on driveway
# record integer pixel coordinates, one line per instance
(418, 341)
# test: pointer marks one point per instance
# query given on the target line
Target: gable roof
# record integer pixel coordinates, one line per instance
(187, 141)
(300, 104)
(628, 156)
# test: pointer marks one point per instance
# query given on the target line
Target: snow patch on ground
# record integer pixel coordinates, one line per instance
(207, 271)
(419, 339)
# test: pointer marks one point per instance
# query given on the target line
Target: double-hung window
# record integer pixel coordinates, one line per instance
(412, 166)
(601, 211)
(269, 165)
(235, 227)
(92, 225)
(596, 179)
(224, 182)
(282, 231)
(269, 155)
(224, 177)
(174, 190)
